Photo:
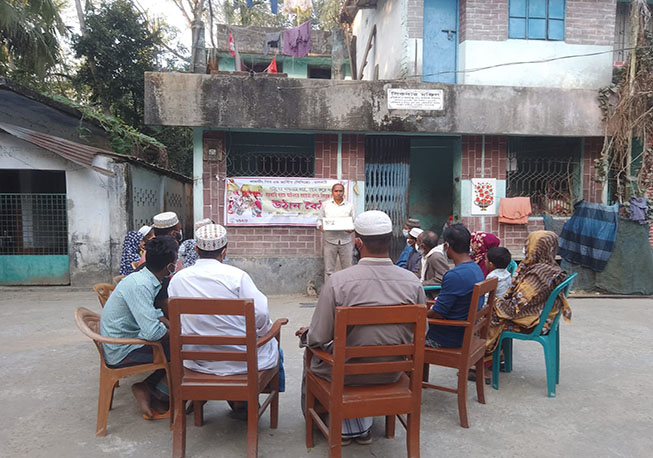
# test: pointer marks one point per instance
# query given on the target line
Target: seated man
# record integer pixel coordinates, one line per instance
(373, 281)
(414, 262)
(210, 278)
(434, 261)
(457, 285)
(408, 225)
(130, 313)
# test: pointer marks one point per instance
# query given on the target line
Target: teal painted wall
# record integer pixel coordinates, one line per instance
(294, 67)
(431, 194)
(34, 270)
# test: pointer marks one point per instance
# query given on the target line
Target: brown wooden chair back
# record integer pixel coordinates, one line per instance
(195, 386)
(88, 323)
(471, 353)
(401, 398)
(103, 291)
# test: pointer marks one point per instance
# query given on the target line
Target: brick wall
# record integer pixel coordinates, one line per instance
(495, 156)
(415, 18)
(590, 22)
(483, 20)
(284, 240)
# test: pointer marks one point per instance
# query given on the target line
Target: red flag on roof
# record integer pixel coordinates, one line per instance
(272, 68)
(232, 45)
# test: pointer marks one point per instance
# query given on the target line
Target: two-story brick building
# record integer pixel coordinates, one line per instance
(444, 92)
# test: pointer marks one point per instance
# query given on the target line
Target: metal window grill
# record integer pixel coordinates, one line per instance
(550, 178)
(33, 224)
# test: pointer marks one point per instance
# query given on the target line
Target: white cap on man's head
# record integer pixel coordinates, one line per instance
(211, 237)
(144, 230)
(415, 232)
(165, 220)
(373, 222)
(202, 222)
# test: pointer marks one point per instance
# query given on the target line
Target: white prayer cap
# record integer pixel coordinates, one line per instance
(415, 232)
(202, 222)
(144, 230)
(211, 237)
(165, 220)
(373, 222)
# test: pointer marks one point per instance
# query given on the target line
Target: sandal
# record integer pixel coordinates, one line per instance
(157, 416)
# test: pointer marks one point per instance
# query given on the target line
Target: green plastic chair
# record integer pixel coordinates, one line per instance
(550, 342)
(433, 288)
(512, 267)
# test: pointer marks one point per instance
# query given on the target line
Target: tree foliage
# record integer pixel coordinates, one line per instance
(29, 37)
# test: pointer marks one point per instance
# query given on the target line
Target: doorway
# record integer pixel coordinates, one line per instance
(440, 42)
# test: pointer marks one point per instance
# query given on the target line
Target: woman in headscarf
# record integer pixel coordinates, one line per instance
(536, 277)
(480, 243)
(187, 254)
(130, 252)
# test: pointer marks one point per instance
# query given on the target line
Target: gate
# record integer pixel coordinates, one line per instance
(387, 176)
(33, 239)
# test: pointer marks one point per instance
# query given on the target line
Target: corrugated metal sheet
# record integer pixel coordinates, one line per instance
(75, 152)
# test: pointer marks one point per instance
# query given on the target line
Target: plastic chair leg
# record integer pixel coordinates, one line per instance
(507, 354)
(557, 355)
(105, 397)
(496, 361)
(549, 360)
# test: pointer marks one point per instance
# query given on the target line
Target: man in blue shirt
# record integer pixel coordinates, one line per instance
(403, 257)
(130, 313)
(456, 293)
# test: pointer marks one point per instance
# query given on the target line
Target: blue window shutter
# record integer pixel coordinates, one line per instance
(556, 29)
(556, 9)
(537, 29)
(536, 9)
(517, 28)
(517, 8)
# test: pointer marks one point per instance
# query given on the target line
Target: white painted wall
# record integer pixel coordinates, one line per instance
(390, 48)
(590, 72)
(88, 207)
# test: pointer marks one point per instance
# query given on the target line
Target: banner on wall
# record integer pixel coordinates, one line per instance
(253, 201)
(484, 196)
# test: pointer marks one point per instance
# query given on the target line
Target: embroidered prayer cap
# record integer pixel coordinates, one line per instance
(144, 230)
(373, 222)
(211, 237)
(412, 222)
(202, 222)
(415, 232)
(165, 220)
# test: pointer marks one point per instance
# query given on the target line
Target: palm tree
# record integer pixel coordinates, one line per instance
(29, 35)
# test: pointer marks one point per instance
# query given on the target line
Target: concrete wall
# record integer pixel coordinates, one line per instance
(361, 106)
(89, 207)
(390, 47)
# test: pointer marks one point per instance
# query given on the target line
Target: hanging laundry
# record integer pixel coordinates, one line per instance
(297, 41)
(272, 40)
(234, 52)
(589, 235)
(514, 210)
(293, 6)
(638, 209)
(272, 68)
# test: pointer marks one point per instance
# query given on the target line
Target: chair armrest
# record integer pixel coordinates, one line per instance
(273, 332)
(323, 355)
(448, 322)
(432, 287)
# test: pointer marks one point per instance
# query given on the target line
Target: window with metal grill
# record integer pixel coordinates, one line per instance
(537, 19)
(547, 170)
(251, 154)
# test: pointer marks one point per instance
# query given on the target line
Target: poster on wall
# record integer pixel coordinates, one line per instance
(484, 196)
(254, 201)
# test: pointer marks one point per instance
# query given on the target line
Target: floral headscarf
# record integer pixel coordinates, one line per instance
(480, 243)
(130, 252)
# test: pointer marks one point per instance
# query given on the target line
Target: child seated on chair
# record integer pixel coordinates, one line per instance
(497, 260)
(538, 275)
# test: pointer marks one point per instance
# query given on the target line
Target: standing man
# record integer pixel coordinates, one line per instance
(373, 281)
(337, 244)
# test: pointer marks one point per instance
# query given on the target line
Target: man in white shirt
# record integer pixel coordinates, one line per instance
(210, 278)
(337, 244)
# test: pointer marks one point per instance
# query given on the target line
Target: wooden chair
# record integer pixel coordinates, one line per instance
(340, 401)
(470, 354)
(196, 386)
(117, 279)
(89, 323)
(103, 291)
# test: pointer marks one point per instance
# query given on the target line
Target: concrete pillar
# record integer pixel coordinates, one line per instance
(338, 52)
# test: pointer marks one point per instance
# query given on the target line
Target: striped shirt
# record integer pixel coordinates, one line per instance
(130, 313)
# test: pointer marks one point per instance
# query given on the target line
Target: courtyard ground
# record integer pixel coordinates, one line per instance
(603, 408)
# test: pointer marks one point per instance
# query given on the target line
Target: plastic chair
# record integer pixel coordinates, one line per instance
(103, 291)
(197, 386)
(512, 267)
(433, 288)
(550, 342)
(470, 354)
(340, 401)
(89, 323)
(117, 279)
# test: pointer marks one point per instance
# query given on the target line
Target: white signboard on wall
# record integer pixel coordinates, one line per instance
(484, 196)
(415, 99)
